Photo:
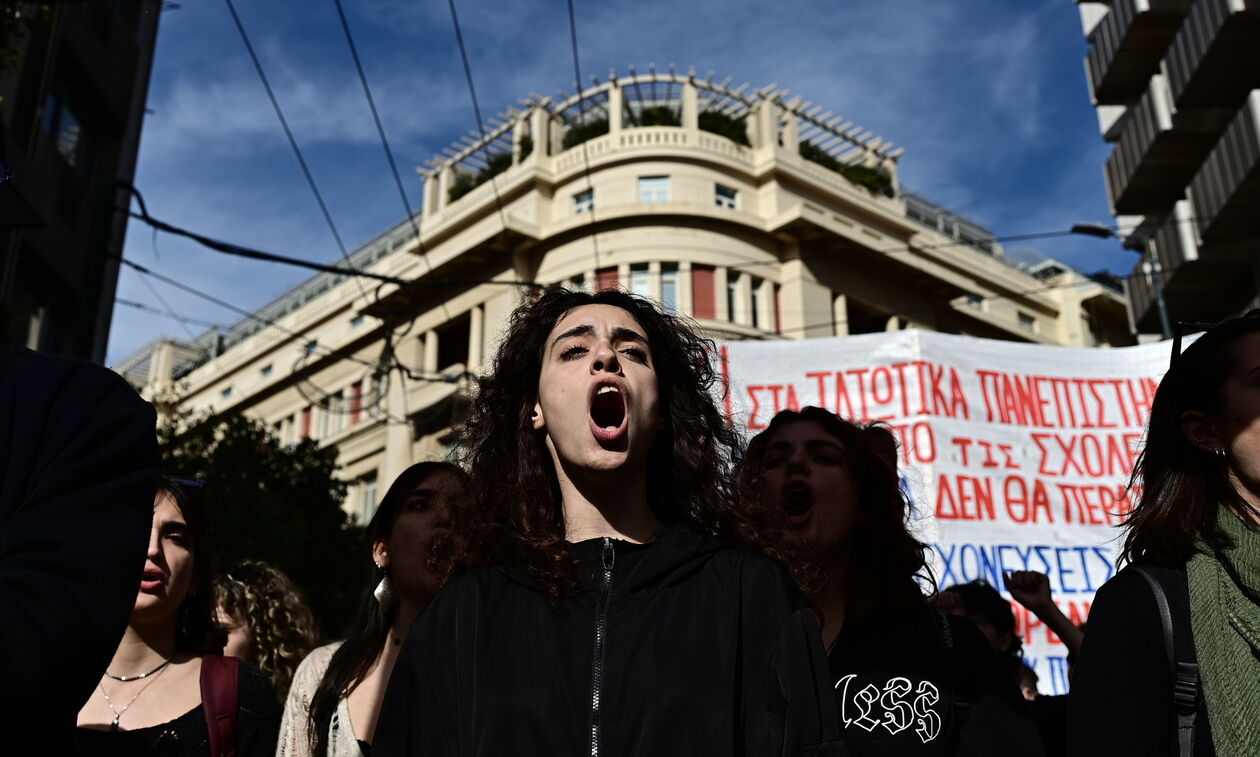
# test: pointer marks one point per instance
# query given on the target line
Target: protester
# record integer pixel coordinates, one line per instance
(78, 469)
(980, 603)
(909, 679)
(1031, 589)
(594, 612)
(266, 618)
(166, 690)
(1194, 546)
(333, 704)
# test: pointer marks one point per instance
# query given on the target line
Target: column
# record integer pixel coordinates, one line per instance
(685, 304)
(398, 434)
(430, 203)
(840, 314)
(690, 106)
(476, 337)
(616, 107)
(430, 364)
(791, 128)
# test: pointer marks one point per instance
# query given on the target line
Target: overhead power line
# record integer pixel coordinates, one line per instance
(472, 93)
(586, 157)
(165, 313)
(284, 124)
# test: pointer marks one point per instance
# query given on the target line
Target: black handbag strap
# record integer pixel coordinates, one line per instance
(1182, 663)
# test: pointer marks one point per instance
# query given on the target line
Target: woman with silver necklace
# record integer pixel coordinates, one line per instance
(150, 700)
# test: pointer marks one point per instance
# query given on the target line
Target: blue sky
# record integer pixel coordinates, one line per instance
(988, 97)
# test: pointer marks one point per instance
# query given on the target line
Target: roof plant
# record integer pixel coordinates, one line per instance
(874, 180)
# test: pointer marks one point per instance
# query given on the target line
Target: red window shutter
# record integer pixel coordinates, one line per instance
(306, 423)
(703, 292)
(356, 401)
(605, 278)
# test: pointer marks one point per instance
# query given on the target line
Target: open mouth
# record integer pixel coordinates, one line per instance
(150, 579)
(798, 501)
(608, 411)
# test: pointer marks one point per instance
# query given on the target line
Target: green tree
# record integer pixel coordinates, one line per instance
(272, 502)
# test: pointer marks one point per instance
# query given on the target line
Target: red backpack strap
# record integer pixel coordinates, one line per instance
(219, 702)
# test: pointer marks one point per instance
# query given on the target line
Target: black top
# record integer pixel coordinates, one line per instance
(257, 728)
(921, 682)
(1121, 700)
(686, 646)
(78, 469)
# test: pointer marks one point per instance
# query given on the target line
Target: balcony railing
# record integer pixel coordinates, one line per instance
(1213, 60)
(1157, 154)
(1226, 191)
(1127, 45)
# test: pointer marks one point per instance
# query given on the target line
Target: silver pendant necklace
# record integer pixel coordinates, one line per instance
(125, 679)
(113, 726)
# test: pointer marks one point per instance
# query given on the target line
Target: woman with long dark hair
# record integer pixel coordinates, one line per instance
(332, 706)
(595, 609)
(151, 699)
(1171, 661)
(909, 679)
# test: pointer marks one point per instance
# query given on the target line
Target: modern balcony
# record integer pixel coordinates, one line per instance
(1203, 281)
(1226, 191)
(1213, 60)
(1157, 154)
(1127, 45)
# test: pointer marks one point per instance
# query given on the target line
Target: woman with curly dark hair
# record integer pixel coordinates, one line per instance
(167, 690)
(603, 604)
(1170, 664)
(266, 618)
(909, 678)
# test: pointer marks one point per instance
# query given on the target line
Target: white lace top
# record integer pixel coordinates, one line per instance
(294, 732)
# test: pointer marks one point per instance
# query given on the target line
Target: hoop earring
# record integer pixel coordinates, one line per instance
(384, 591)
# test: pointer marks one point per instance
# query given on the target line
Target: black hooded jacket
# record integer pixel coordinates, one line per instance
(684, 646)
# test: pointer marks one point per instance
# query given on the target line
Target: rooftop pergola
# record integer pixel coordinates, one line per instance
(749, 117)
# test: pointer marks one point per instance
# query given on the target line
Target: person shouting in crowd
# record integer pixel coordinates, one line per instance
(909, 679)
(266, 618)
(596, 612)
(1191, 595)
(167, 691)
(335, 698)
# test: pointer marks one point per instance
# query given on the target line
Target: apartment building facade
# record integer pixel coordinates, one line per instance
(1177, 87)
(757, 215)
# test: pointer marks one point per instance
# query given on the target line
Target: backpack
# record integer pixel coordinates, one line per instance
(1172, 598)
(219, 702)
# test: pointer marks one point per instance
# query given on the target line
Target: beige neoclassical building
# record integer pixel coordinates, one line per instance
(759, 215)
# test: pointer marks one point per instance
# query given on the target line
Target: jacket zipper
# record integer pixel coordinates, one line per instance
(601, 637)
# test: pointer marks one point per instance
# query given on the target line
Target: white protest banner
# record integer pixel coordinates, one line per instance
(1015, 456)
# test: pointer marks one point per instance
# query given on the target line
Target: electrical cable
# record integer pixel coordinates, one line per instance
(170, 312)
(472, 92)
(166, 313)
(586, 157)
(297, 151)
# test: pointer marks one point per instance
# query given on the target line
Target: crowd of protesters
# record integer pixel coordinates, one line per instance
(612, 572)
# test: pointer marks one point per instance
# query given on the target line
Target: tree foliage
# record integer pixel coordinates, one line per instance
(272, 502)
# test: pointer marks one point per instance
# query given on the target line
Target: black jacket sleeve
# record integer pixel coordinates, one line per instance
(803, 714)
(1120, 701)
(78, 470)
(419, 713)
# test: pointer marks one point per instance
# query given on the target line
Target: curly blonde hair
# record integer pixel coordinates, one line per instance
(281, 625)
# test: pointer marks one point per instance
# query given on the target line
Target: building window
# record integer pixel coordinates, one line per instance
(454, 338)
(584, 201)
(310, 347)
(367, 503)
(226, 393)
(757, 296)
(356, 321)
(356, 402)
(266, 371)
(732, 296)
(64, 126)
(577, 283)
(606, 278)
(778, 309)
(975, 301)
(306, 423)
(639, 281)
(724, 197)
(669, 287)
(1027, 322)
(703, 291)
(653, 189)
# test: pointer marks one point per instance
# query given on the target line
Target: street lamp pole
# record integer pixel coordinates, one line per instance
(1140, 245)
